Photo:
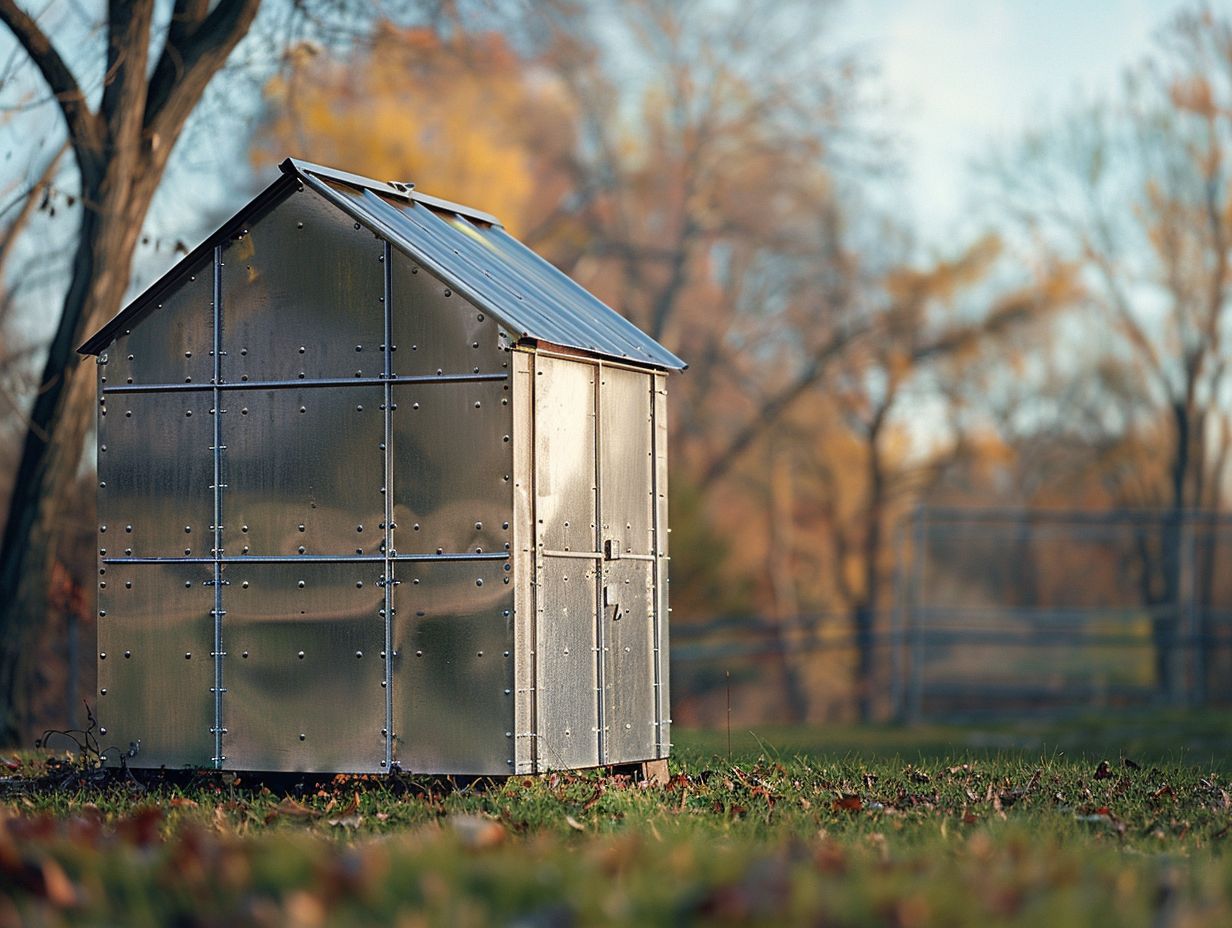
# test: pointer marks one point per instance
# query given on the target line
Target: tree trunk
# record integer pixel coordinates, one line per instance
(59, 422)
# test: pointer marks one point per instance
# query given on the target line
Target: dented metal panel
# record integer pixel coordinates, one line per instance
(303, 293)
(453, 467)
(155, 663)
(628, 459)
(437, 330)
(629, 694)
(303, 470)
(453, 667)
(305, 675)
(155, 470)
(174, 344)
(565, 656)
(565, 454)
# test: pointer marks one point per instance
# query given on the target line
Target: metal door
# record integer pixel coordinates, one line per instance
(595, 674)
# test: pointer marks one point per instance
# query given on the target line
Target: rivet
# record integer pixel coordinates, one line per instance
(244, 655)
(359, 654)
(479, 654)
(359, 584)
(299, 225)
(102, 528)
(303, 409)
(478, 526)
(301, 584)
(504, 525)
(301, 526)
(359, 408)
(448, 292)
(188, 655)
(102, 655)
(102, 613)
(128, 654)
(187, 529)
(244, 585)
(419, 653)
(103, 691)
(102, 731)
(128, 584)
(359, 528)
(302, 736)
(301, 655)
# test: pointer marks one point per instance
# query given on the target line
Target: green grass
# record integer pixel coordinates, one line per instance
(906, 827)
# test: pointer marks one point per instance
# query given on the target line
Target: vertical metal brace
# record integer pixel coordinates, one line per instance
(656, 571)
(217, 452)
(387, 264)
(536, 563)
(600, 612)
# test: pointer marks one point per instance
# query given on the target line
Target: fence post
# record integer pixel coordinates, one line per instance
(913, 616)
(1191, 639)
(897, 684)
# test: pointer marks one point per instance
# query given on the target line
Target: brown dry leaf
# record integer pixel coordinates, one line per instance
(293, 809)
(59, 888)
(1164, 791)
(353, 807)
(347, 821)
(11, 763)
(183, 802)
(476, 832)
(848, 804)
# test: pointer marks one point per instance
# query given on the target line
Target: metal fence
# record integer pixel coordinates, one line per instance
(995, 612)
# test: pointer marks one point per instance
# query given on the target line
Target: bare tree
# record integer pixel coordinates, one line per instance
(120, 148)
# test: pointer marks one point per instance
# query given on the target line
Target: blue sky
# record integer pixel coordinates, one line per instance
(962, 74)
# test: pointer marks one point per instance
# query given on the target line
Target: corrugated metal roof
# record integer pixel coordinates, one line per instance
(530, 296)
(469, 250)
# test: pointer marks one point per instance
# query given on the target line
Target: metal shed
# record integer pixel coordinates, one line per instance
(379, 488)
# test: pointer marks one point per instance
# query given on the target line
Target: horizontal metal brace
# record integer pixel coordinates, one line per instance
(589, 555)
(305, 382)
(310, 558)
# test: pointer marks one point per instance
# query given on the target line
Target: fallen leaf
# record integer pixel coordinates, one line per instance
(476, 832)
(11, 763)
(183, 802)
(293, 809)
(848, 804)
(57, 886)
(347, 821)
(574, 823)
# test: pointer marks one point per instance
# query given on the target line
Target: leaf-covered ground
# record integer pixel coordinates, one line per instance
(796, 834)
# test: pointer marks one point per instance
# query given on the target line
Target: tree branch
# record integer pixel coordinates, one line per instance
(196, 48)
(85, 129)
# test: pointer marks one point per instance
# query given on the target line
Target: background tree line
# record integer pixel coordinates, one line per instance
(722, 175)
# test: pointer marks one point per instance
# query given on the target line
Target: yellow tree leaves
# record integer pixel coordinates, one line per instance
(464, 118)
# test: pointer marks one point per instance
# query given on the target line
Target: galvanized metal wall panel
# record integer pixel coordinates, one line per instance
(155, 666)
(524, 560)
(565, 454)
(566, 689)
(171, 345)
(662, 580)
(303, 471)
(453, 667)
(302, 296)
(628, 459)
(156, 475)
(629, 693)
(304, 671)
(453, 467)
(437, 331)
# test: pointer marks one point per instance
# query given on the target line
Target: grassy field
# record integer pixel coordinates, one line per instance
(1088, 822)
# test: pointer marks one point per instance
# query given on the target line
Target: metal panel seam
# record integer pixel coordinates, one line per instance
(217, 552)
(387, 349)
(600, 607)
(656, 573)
